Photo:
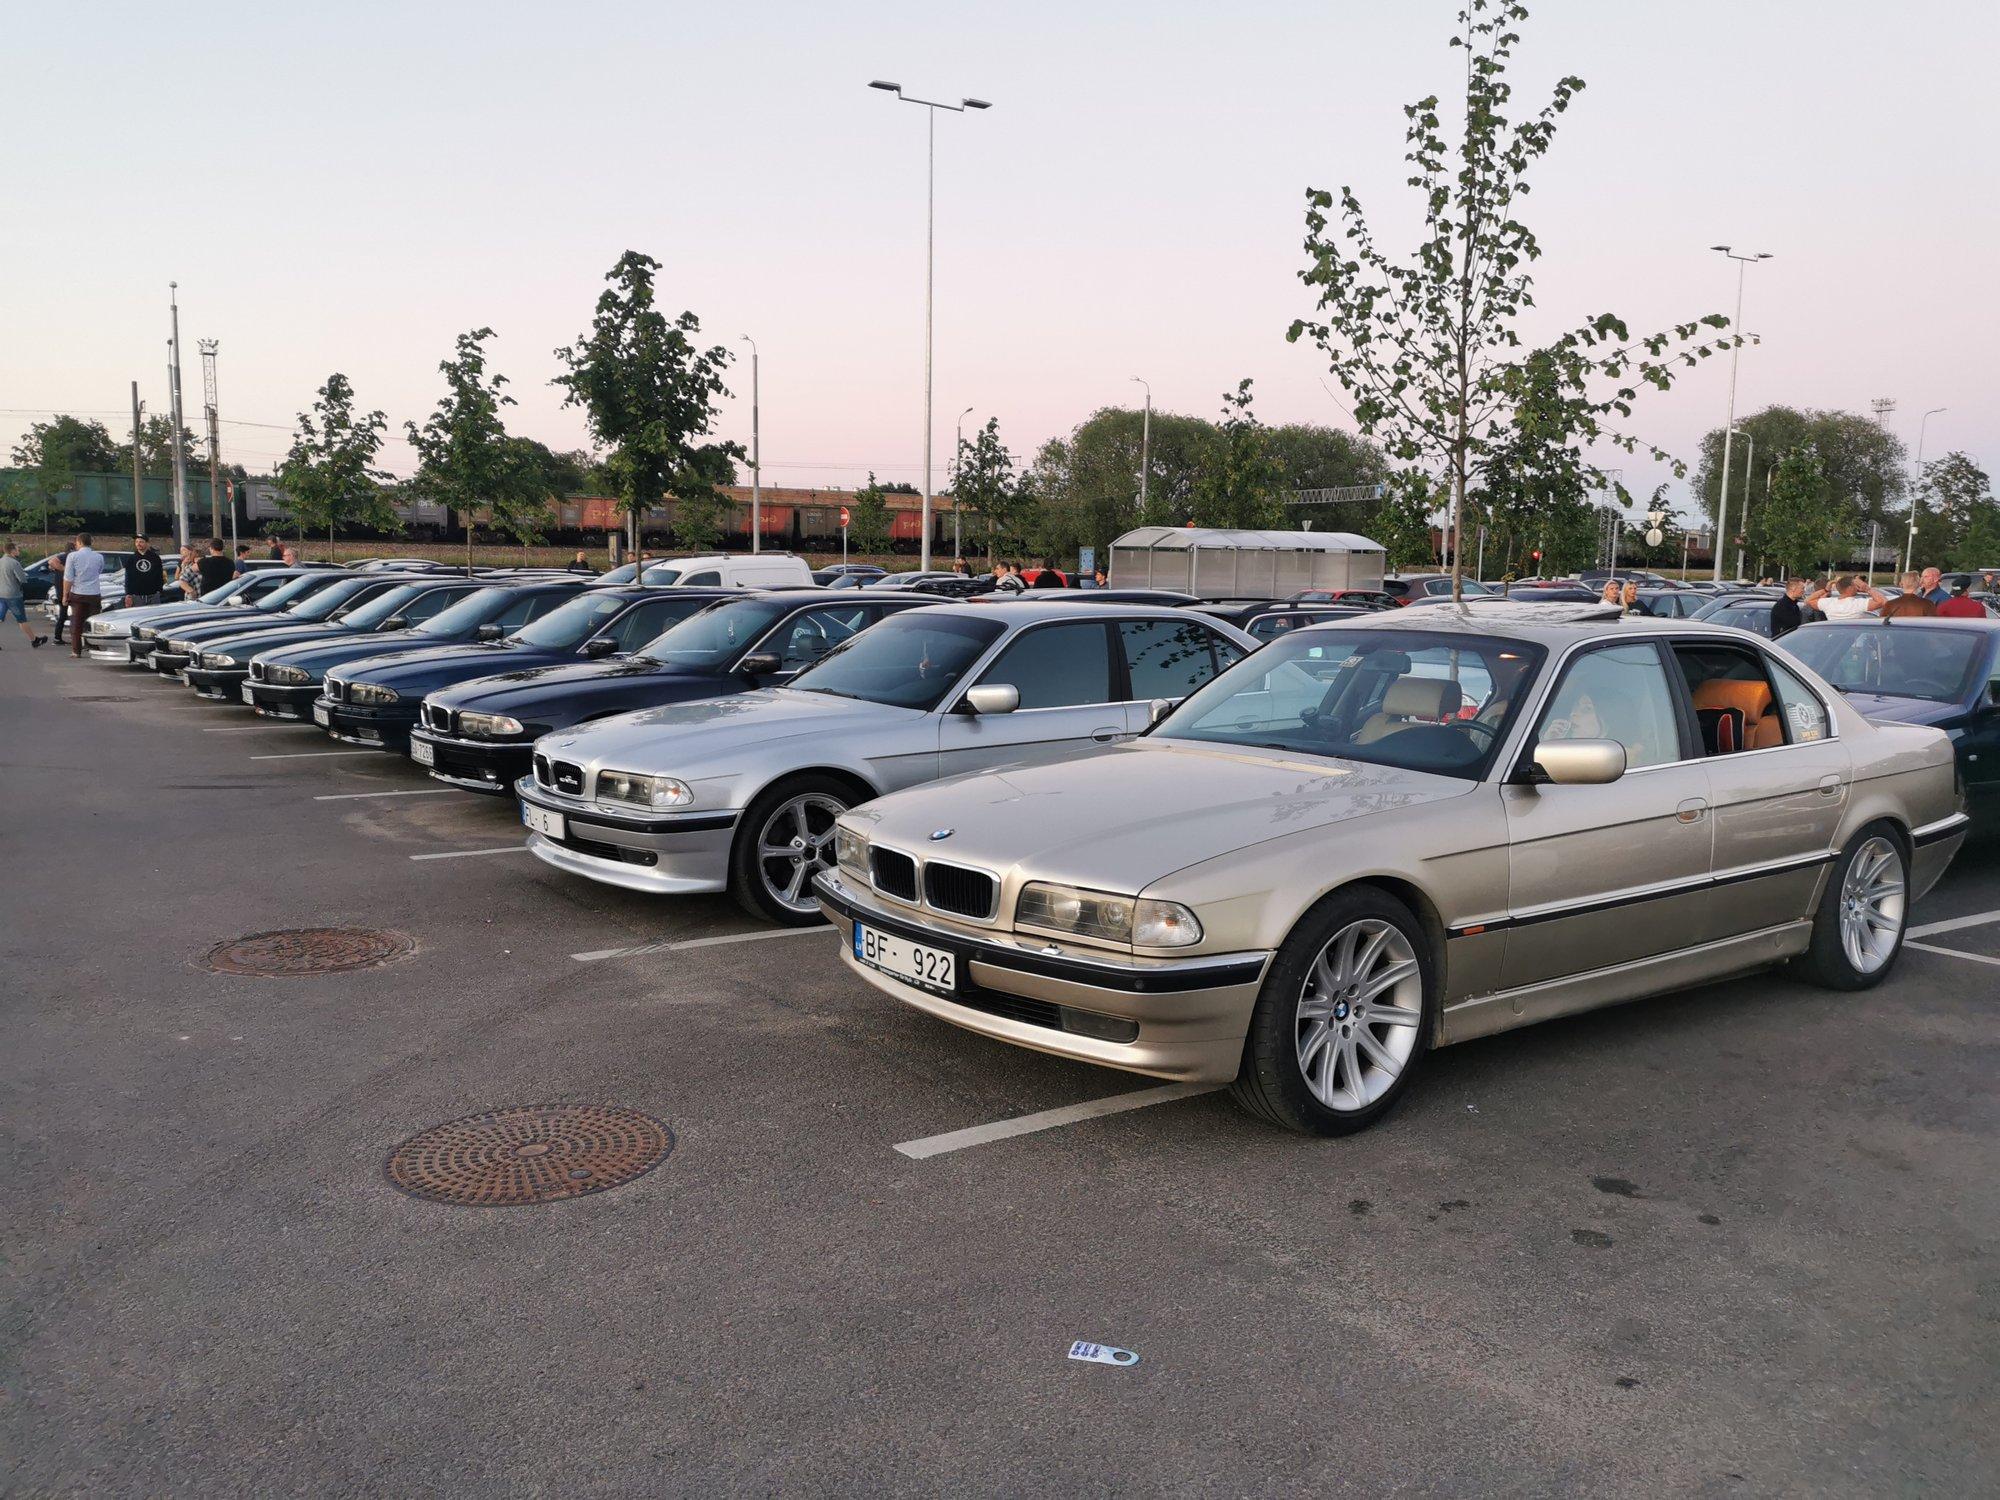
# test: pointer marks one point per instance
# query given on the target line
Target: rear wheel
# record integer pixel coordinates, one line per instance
(1858, 929)
(783, 841)
(1344, 1019)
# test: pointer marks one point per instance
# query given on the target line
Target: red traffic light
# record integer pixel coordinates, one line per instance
(1536, 554)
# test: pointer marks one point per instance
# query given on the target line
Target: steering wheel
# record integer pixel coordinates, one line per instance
(1492, 733)
(1926, 687)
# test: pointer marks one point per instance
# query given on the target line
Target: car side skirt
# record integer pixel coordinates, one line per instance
(1503, 1010)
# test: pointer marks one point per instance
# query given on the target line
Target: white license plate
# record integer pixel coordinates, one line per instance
(248, 696)
(548, 824)
(321, 716)
(927, 968)
(422, 753)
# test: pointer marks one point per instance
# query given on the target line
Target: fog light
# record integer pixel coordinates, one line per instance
(1101, 1028)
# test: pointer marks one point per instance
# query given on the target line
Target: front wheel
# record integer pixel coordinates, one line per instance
(783, 841)
(1344, 1018)
(1858, 929)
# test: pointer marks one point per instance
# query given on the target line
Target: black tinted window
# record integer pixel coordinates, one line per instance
(1167, 658)
(1057, 666)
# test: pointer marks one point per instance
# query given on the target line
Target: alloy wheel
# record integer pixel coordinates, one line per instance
(1872, 899)
(795, 841)
(1358, 1015)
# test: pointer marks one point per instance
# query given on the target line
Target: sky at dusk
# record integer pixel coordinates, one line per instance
(349, 187)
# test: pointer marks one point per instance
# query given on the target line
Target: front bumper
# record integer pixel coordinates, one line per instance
(282, 701)
(490, 766)
(100, 647)
(223, 684)
(1187, 1016)
(664, 856)
(377, 728)
(168, 663)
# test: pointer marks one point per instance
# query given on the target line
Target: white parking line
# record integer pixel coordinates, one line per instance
(1932, 929)
(673, 945)
(429, 791)
(314, 754)
(1978, 958)
(1049, 1119)
(474, 853)
(242, 729)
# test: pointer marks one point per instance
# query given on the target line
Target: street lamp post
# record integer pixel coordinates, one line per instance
(1749, 470)
(756, 458)
(957, 500)
(1736, 327)
(1910, 547)
(930, 257)
(1145, 446)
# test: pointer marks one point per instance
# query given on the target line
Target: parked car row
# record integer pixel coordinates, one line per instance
(1286, 845)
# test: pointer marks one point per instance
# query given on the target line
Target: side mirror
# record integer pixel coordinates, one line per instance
(761, 664)
(488, 633)
(396, 622)
(1159, 708)
(992, 698)
(600, 645)
(1578, 762)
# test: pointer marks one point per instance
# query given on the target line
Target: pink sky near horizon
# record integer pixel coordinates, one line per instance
(1131, 205)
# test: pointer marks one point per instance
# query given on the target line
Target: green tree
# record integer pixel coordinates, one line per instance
(1428, 347)
(330, 477)
(156, 450)
(986, 489)
(647, 391)
(1949, 496)
(58, 451)
(868, 518)
(1313, 457)
(1866, 466)
(1800, 529)
(1240, 484)
(1403, 525)
(465, 459)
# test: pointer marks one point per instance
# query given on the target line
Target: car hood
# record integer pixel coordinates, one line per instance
(172, 617)
(325, 656)
(206, 632)
(686, 739)
(1893, 708)
(539, 688)
(1124, 818)
(277, 635)
(415, 671)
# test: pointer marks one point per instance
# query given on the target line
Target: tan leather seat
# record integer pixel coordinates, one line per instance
(1409, 700)
(1761, 728)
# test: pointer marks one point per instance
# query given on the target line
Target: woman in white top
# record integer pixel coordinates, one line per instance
(1848, 598)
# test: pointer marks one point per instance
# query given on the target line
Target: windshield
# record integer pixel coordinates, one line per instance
(367, 616)
(468, 614)
(1900, 660)
(908, 661)
(297, 588)
(571, 625)
(714, 638)
(328, 600)
(230, 592)
(656, 573)
(1404, 698)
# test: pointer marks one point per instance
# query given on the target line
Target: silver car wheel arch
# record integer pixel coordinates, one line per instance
(1359, 1015)
(1873, 898)
(799, 852)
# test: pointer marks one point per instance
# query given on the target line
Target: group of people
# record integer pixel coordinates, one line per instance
(77, 585)
(1009, 578)
(1848, 597)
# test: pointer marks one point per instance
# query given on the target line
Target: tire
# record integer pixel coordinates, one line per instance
(1305, 1067)
(1851, 950)
(771, 821)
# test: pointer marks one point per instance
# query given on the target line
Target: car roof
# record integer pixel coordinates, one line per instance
(1911, 622)
(1022, 608)
(1552, 625)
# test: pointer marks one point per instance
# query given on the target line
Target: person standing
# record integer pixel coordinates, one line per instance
(1007, 579)
(289, 557)
(1787, 614)
(242, 559)
(277, 553)
(57, 598)
(216, 569)
(1932, 584)
(83, 582)
(189, 576)
(1050, 577)
(1911, 601)
(145, 575)
(580, 564)
(1961, 605)
(14, 593)
(1847, 598)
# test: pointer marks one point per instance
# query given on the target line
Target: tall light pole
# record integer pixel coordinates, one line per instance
(208, 349)
(177, 417)
(930, 258)
(1910, 547)
(1728, 431)
(1145, 445)
(756, 459)
(957, 501)
(1749, 472)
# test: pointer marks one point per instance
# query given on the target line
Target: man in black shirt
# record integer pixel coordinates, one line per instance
(216, 568)
(145, 574)
(1788, 614)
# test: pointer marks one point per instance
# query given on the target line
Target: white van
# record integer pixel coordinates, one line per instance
(744, 570)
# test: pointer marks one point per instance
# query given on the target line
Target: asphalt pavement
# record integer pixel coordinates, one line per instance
(1736, 1241)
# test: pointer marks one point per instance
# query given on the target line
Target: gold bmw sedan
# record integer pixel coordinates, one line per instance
(1389, 834)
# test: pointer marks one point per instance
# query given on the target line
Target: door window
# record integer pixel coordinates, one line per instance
(1167, 658)
(1617, 693)
(425, 605)
(1733, 702)
(649, 619)
(810, 634)
(521, 611)
(699, 580)
(1806, 717)
(1058, 666)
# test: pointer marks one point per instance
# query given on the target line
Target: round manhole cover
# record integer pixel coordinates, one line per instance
(299, 951)
(532, 1154)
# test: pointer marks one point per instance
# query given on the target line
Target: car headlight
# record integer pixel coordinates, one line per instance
(372, 692)
(144, 633)
(634, 790)
(180, 648)
(218, 661)
(850, 850)
(490, 726)
(108, 628)
(1106, 917)
(291, 676)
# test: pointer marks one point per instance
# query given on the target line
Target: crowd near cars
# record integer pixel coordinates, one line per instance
(1286, 844)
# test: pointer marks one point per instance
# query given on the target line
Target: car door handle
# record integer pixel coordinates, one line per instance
(1692, 811)
(1106, 736)
(1829, 785)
